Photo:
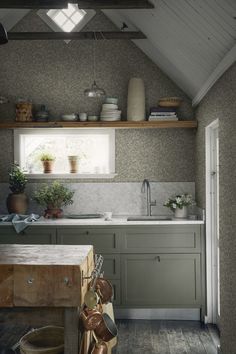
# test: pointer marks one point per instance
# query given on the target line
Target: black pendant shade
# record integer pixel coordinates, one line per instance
(3, 35)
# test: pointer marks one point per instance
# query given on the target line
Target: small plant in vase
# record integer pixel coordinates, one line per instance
(47, 161)
(53, 197)
(179, 203)
(74, 162)
(17, 201)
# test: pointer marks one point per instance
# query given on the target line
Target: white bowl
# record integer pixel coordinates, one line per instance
(113, 100)
(69, 117)
(92, 118)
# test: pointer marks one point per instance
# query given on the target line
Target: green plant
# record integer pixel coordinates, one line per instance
(179, 201)
(45, 156)
(17, 179)
(54, 196)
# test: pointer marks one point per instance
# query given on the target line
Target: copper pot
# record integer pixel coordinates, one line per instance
(99, 348)
(91, 318)
(104, 289)
(107, 329)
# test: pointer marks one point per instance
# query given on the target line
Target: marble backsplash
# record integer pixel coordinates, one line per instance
(120, 198)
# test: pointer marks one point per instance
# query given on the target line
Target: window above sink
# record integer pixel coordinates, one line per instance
(95, 149)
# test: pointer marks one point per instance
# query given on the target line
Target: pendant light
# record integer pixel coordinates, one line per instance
(3, 35)
(94, 90)
(3, 100)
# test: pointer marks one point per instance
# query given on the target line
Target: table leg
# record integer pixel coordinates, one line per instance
(71, 325)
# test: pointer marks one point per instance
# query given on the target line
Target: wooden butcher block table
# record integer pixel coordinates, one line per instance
(36, 276)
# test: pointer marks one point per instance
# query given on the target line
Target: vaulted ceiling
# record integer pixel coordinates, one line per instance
(192, 41)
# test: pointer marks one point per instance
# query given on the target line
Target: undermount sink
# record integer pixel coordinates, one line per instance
(148, 218)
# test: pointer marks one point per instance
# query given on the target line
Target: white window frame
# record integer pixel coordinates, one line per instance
(89, 15)
(55, 131)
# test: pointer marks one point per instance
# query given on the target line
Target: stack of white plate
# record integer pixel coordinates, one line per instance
(110, 112)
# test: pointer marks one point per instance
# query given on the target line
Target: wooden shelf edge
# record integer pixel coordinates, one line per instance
(191, 124)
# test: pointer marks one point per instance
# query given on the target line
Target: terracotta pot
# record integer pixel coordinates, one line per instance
(48, 166)
(53, 213)
(73, 160)
(17, 203)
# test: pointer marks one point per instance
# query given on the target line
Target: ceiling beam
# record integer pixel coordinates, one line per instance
(74, 35)
(114, 4)
(83, 4)
(33, 4)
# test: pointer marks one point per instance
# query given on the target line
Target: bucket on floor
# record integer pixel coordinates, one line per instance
(45, 340)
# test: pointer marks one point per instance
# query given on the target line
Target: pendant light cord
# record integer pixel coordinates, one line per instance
(94, 60)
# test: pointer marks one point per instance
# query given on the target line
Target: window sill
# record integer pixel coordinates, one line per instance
(71, 175)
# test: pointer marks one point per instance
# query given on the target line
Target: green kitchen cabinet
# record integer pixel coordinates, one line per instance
(149, 266)
(161, 280)
(104, 240)
(111, 266)
(31, 235)
(116, 291)
(162, 239)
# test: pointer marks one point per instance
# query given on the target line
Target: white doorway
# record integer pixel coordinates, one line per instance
(212, 223)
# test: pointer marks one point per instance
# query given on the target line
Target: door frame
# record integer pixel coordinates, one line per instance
(211, 220)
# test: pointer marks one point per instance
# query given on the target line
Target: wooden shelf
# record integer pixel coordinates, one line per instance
(190, 124)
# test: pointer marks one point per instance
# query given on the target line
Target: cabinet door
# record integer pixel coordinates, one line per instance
(162, 239)
(170, 280)
(104, 240)
(31, 235)
(116, 291)
(111, 266)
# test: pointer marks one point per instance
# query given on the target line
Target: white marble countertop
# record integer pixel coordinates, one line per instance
(116, 221)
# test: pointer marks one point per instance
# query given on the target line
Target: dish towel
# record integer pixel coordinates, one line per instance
(20, 222)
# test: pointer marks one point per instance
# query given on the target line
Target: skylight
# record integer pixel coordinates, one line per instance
(67, 19)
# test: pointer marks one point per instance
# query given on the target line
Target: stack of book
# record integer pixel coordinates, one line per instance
(162, 114)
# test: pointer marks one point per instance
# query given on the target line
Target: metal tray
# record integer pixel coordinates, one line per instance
(84, 216)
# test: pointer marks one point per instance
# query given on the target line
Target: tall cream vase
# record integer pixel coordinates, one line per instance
(136, 100)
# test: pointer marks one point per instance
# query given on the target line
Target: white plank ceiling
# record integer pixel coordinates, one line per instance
(187, 39)
(192, 41)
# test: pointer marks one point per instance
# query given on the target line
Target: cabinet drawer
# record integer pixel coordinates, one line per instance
(170, 280)
(162, 239)
(104, 240)
(31, 235)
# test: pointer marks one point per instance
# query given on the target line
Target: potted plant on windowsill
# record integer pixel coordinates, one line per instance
(47, 161)
(73, 161)
(53, 197)
(17, 201)
(179, 203)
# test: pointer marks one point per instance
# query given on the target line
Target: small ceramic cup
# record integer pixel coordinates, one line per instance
(108, 215)
(83, 117)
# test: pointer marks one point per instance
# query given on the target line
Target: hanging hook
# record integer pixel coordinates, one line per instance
(124, 26)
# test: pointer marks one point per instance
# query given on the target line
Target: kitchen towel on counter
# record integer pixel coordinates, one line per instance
(20, 222)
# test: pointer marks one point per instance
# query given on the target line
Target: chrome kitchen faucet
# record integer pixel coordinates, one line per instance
(146, 187)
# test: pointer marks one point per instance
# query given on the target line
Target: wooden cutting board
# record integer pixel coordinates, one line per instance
(44, 275)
